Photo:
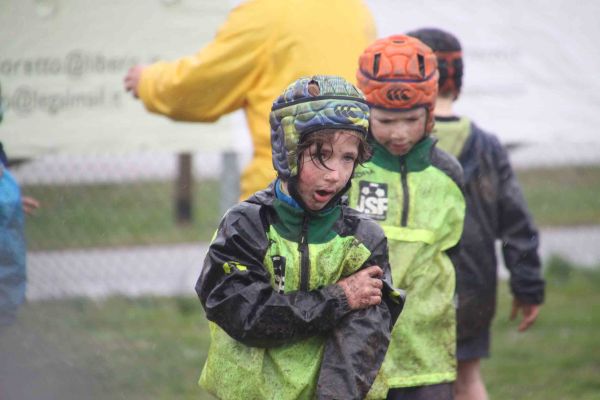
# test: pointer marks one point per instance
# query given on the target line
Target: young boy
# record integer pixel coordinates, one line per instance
(495, 210)
(414, 191)
(294, 282)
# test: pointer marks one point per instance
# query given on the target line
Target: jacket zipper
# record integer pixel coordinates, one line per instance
(304, 260)
(405, 195)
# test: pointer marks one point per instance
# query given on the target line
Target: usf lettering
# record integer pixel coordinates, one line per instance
(373, 200)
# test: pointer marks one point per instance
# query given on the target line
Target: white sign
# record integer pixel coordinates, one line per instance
(62, 66)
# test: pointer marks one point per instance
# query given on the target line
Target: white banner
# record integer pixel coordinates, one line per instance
(62, 66)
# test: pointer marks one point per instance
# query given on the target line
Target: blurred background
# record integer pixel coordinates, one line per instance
(129, 200)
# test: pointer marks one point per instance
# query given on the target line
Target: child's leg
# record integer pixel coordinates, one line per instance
(440, 391)
(469, 383)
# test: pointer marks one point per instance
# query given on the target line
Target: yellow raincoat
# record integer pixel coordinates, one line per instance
(262, 47)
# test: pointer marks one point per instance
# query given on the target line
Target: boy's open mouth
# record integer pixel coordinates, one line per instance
(322, 194)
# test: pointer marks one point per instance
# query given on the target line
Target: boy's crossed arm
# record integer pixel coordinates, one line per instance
(236, 293)
(355, 350)
(363, 288)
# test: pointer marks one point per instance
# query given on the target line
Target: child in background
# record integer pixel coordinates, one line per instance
(295, 283)
(496, 210)
(414, 191)
(12, 243)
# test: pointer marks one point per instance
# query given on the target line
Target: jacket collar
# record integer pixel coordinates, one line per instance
(417, 159)
(452, 134)
(290, 219)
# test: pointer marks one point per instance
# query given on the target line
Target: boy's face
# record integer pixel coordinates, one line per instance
(398, 131)
(318, 184)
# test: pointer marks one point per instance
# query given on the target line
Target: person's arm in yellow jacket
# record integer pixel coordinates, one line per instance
(213, 82)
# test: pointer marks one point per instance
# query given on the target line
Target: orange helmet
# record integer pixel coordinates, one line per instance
(399, 73)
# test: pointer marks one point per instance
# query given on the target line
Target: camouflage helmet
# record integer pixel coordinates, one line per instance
(310, 104)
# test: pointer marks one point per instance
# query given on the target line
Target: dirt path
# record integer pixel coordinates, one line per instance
(173, 269)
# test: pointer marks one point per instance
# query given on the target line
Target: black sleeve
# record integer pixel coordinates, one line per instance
(450, 165)
(3, 158)
(235, 290)
(355, 350)
(519, 236)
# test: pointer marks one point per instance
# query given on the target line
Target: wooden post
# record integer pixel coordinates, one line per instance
(183, 189)
(230, 181)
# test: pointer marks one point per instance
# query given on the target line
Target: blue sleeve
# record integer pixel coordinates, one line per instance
(12, 248)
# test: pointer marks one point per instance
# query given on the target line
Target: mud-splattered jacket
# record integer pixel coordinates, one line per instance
(281, 328)
(417, 200)
(496, 209)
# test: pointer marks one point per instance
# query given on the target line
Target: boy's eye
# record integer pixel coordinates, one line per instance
(325, 154)
(350, 157)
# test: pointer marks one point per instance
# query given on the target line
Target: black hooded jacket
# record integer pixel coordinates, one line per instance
(496, 209)
(259, 284)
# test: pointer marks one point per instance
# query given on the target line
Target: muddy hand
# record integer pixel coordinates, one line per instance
(363, 288)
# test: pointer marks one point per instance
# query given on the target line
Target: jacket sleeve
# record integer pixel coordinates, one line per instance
(355, 350)
(215, 81)
(236, 293)
(519, 236)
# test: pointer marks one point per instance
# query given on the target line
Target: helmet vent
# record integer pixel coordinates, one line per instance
(376, 60)
(313, 88)
(421, 61)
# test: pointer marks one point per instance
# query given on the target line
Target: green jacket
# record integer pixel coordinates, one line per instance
(281, 328)
(417, 200)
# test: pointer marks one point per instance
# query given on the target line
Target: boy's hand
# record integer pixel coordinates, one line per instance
(29, 205)
(530, 313)
(132, 79)
(363, 288)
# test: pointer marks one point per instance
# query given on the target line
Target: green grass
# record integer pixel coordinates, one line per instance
(563, 196)
(117, 215)
(149, 348)
(143, 213)
(559, 357)
(154, 348)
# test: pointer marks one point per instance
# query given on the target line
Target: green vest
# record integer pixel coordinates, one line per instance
(421, 209)
(289, 371)
(452, 135)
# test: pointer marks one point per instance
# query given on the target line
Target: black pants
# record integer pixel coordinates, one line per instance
(440, 391)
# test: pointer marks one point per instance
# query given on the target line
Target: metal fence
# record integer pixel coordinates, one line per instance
(119, 224)
(139, 224)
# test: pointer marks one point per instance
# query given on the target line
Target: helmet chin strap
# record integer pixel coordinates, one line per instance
(427, 115)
